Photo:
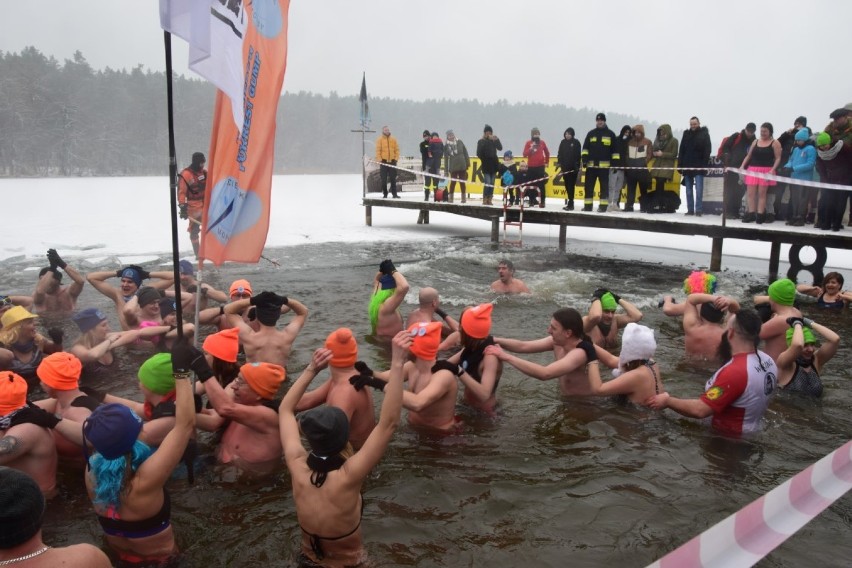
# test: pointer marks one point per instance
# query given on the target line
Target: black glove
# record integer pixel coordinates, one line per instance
(387, 267)
(185, 356)
(280, 300)
(598, 294)
(184, 214)
(589, 349)
(445, 365)
(360, 381)
(791, 321)
(55, 260)
(56, 335)
(32, 414)
(252, 314)
(616, 297)
(393, 162)
(362, 368)
(94, 393)
(662, 302)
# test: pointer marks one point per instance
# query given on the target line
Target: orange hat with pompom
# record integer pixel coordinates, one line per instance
(343, 347)
(426, 337)
(60, 371)
(13, 392)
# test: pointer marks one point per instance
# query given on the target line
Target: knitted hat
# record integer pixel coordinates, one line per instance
(783, 292)
(263, 378)
(21, 507)
(608, 303)
(155, 374)
(476, 321)
(326, 428)
(450, 133)
(699, 282)
(343, 347)
(637, 342)
(535, 131)
(801, 135)
(15, 315)
(823, 138)
(88, 319)
(507, 155)
(806, 332)
(186, 268)
(60, 371)
(112, 429)
(223, 345)
(426, 133)
(240, 287)
(801, 120)
(488, 129)
(167, 307)
(132, 274)
(839, 113)
(600, 116)
(13, 392)
(147, 295)
(426, 338)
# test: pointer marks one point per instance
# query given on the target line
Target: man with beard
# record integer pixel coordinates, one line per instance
(800, 365)
(737, 395)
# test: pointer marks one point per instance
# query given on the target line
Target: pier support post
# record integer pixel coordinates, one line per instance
(716, 254)
(368, 215)
(774, 256)
(423, 217)
(495, 229)
(563, 231)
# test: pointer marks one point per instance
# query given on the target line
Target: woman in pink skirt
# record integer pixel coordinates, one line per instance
(763, 157)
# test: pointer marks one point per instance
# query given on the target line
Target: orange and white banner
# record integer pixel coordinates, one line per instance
(241, 47)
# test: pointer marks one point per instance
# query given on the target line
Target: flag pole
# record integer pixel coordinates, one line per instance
(167, 38)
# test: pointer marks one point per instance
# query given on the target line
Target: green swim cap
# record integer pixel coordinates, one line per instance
(608, 302)
(783, 292)
(806, 331)
(155, 374)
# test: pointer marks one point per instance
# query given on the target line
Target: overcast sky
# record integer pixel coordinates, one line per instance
(729, 62)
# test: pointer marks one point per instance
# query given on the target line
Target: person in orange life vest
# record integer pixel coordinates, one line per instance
(192, 182)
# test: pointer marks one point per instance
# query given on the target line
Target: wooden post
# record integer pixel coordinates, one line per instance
(368, 213)
(495, 229)
(563, 231)
(774, 255)
(716, 254)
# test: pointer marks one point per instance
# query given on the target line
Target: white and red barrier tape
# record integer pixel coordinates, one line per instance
(771, 177)
(754, 531)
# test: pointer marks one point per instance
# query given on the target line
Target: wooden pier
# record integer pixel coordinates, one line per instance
(710, 226)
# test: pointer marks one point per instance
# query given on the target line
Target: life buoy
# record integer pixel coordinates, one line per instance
(815, 268)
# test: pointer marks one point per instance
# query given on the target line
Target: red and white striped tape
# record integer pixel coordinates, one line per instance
(754, 531)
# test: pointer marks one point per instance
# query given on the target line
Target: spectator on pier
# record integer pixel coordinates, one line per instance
(597, 155)
(387, 152)
(764, 157)
(834, 164)
(616, 173)
(510, 179)
(538, 157)
(639, 153)
(568, 159)
(457, 163)
(665, 154)
(733, 151)
(489, 164)
(801, 164)
(433, 165)
(694, 153)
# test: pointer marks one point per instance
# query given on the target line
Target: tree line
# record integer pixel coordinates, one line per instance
(68, 119)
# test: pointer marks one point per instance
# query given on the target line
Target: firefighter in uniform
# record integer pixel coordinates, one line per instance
(599, 152)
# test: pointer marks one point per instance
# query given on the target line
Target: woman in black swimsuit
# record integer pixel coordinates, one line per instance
(799, 366)
(327, 481)
(131, 502)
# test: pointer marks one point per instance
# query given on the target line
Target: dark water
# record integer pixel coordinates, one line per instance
(547, 482)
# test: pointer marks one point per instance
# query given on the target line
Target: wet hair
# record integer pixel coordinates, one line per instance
(507, 263)
(570, 319)
(833, 276)
(768, 126)
(112, 477)
(694, 118)
(747, 325)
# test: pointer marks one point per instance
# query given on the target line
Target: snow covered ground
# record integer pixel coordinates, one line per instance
(128, 218)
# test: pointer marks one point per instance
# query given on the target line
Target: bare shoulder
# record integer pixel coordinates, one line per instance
(78, 555)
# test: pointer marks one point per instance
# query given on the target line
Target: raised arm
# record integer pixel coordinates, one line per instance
(394, 302)
(631, 313)
(830, 343)
(98, 280)
(593, 318)
(300, 316)
(359, 466)
(671, 309)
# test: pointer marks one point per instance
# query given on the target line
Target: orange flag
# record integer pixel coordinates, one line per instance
(241, 47)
